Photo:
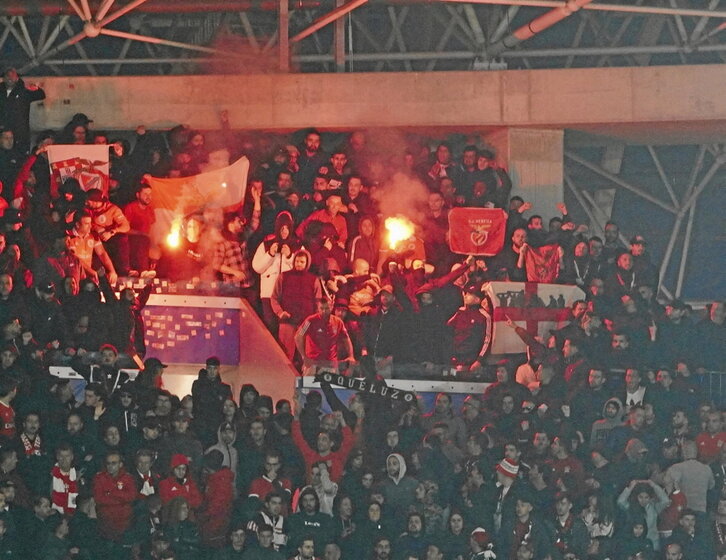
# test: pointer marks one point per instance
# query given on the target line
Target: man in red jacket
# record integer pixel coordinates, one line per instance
(324, 448)
(114, 491)
(179, 483)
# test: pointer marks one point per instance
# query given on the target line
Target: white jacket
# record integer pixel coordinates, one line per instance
(269, 268)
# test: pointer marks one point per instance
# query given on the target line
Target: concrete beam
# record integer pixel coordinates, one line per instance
(583, 99)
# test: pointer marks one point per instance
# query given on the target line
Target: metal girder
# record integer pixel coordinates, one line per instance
(381, 35)
(683, 185)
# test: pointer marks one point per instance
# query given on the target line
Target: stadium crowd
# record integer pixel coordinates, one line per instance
(600, 443)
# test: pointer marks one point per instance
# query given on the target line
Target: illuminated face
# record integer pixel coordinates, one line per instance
(611, 233)
(74, 424)
(7, 140)
(334, 204)
(569, 349)
(443, 403)
(469, 158)
(79, 135)
(6, 285)
(595, 248)
(523, 509)
(664, 377)
(108, 357)
(113, 464)
(632, 379)
(535, 223)
(581, 249)
(637, 249)
(144, 196)
(354, 187)
(393, 466)
(238, 539)
(446, 186)
(265, 538)
(284, 182)
(596, 379)
(300, 263)
(620, 342)
(320, 184)
(414, 524)
(625, 261)
(443, 155)
(519, 237)
(436, 202)
(338, 162)
(31, 424)
(312, 142)
(112, 437)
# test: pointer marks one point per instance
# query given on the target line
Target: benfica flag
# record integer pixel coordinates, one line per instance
(86, 162)
(477, 231)
(536, 307)
(175, 199)
(543, 263)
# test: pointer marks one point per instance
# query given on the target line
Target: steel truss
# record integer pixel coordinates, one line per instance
(668, 183)
(107, 37)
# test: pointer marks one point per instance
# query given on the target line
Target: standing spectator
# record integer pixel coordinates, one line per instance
(111, 226)
(320, 337)
(15, 100)
(114, 491)
(140, 215)
(691, 477)
(216, 509)
(208, 396)
(293, 299)
(273, 257)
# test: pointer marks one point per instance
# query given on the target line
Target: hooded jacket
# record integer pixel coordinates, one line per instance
(602, 427)
(229, 451)
(270, 267)
(399, 493)
(296, 291)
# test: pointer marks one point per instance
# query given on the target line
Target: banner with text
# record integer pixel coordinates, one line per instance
(477, 231)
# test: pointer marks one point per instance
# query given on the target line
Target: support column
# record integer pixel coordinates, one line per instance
(339, 40)
(284, 36)
(535, 161)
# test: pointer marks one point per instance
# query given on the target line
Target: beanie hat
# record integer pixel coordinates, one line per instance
(178, 459)
(508, 468)
(480, 536)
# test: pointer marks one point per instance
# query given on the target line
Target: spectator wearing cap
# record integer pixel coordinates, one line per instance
(148, 382)
(216, 509)
(111, 226)
(385, 327)
(643, 268)
(179, 483)
(208, 395)
(181, 441)
(481, 545)
(472, 328)
(674, 335)
(47, 320)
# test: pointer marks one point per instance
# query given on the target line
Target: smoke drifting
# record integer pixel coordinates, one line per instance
(403, 195)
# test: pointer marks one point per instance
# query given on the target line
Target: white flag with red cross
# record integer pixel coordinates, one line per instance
(538, 308)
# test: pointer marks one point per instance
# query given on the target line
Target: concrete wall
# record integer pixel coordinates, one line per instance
(540, 98)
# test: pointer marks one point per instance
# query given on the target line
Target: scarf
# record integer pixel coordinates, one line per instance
(30, 447)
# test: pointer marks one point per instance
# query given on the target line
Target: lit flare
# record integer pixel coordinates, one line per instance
(399, 229)
(173, 240)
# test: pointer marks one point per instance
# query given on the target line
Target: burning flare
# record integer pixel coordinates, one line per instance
(174, 238)
(399, 229)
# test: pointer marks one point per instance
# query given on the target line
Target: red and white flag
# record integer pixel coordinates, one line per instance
(535, 307)
(542, 263)
(86, 162)
(175, 199)
(477, 231)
